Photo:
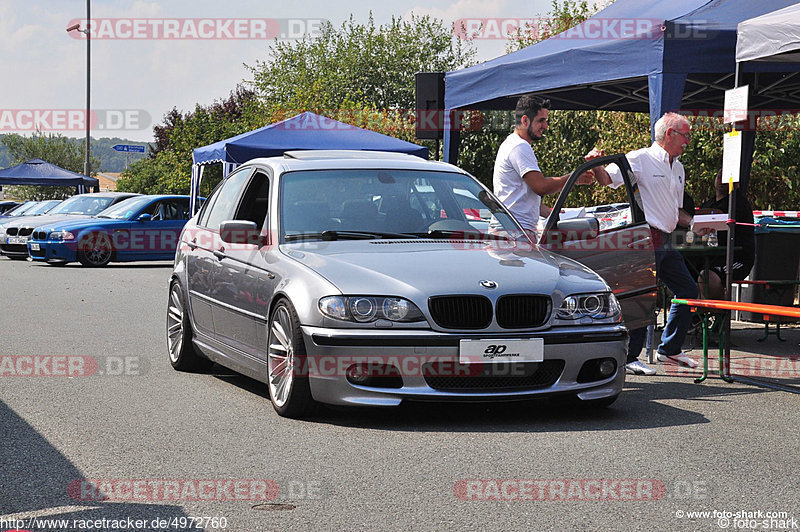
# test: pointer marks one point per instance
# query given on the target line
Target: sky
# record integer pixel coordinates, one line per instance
(136, 78)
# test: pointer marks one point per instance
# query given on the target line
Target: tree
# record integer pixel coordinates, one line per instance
(361, 74)
(168, 168)
(358, 65)
(53, 148)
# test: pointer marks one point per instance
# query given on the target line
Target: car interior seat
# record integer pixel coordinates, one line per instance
(400, 216)
(359, 215)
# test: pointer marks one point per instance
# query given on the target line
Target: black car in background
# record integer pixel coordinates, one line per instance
(7, 205)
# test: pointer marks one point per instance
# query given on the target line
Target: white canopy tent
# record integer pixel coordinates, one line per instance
(773, 37)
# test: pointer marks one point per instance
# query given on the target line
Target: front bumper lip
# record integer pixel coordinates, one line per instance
(56, 250)
(349, 346)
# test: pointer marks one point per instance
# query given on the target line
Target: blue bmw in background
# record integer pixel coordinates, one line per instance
(138, 228)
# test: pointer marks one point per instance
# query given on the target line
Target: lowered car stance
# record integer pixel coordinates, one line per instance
(359, 278)
(138, 228)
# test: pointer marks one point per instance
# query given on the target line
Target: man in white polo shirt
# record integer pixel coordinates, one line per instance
(660, 177)
(518, 181)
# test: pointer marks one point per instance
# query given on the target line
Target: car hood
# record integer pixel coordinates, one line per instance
(78, 222)
(424, 267)
(46, 219)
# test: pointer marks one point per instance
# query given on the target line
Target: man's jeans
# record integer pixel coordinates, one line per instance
(672, 270)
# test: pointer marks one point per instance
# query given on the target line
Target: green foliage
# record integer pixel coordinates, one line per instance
(359, 74)
(562, 17)
(358, 65)
(53, 148)
(168, 169)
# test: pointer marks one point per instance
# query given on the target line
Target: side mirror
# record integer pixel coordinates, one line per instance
(579, 228)
(145, 217)
(239, 232)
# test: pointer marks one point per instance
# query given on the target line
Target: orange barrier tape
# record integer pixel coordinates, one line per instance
(756, 308)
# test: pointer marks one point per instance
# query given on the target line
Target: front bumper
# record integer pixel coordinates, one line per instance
(51, 250)
(15, 246)
(332, 351)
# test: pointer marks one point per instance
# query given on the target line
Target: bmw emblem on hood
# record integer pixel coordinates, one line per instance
(488, 284)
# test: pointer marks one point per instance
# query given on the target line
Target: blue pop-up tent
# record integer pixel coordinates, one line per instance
(653, 56)
(306, 131)
(39, 172)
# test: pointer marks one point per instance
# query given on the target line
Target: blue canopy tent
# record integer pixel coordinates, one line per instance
(306, 131)
(39, 172)
(638, 56)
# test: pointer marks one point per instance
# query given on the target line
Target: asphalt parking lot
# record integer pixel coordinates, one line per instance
(172, 450)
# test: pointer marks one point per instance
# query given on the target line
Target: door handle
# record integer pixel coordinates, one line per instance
(640, 242)
(220, 253)
(192, 244)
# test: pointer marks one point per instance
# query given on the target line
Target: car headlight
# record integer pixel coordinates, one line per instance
(365, 309)
(590, 307)
(61, 235)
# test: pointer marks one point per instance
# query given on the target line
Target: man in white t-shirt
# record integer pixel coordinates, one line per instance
(661, 177)
(518, 181)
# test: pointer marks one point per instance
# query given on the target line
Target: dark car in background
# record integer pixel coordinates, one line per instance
(8, 205)
(138, 228)
(15, 235)
(18, 210)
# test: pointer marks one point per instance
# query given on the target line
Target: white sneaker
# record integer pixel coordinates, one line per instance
(682, 359)
(639, 368)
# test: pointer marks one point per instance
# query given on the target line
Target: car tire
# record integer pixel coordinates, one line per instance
(287, 375)
(95, 250)
(182, 354)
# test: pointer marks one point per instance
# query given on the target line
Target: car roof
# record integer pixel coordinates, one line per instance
(108, 194)
(334, 159)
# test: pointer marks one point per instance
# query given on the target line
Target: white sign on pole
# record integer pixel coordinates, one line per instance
(731, 156)
(736, 104)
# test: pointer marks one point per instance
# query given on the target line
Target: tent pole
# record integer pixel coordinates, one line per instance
(88, 118)
(732, 191)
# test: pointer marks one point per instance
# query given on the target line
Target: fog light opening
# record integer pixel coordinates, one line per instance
(358, 374)
(607, 367)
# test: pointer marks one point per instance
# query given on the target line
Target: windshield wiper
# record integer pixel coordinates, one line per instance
(348, 235)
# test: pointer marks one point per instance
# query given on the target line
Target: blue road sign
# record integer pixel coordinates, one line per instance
(129, 148)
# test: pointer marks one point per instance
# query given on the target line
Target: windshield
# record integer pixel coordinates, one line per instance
(43, 207)
(334, 204)
(125, 209)
(84, 204)
(20, 209)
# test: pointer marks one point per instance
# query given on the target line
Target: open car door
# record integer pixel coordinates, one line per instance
(613, 240)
